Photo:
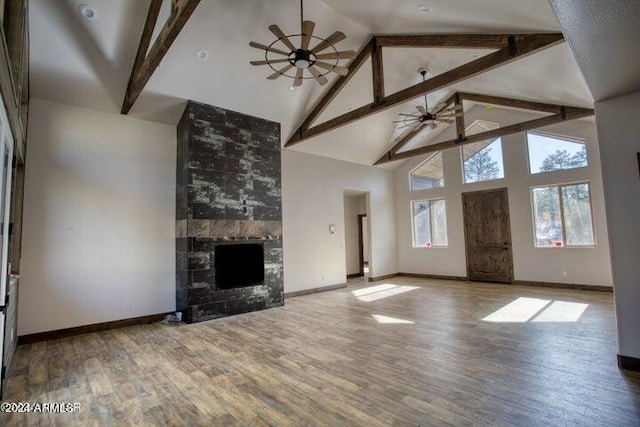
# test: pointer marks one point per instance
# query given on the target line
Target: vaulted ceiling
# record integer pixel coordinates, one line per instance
(88, 62)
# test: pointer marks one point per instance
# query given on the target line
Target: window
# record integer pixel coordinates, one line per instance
(429, 223)
(549, 153)
(562, 216)
(482, 161)
(428, 174)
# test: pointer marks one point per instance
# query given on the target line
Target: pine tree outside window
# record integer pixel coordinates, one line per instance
(482, 161)
(562, 216)
(549, 153)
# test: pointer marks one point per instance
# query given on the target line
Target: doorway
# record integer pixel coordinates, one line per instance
(488, 236)
(363, 244)
(356, 234)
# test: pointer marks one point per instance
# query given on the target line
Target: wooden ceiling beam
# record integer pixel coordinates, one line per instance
(480, 41)
(460, 126)
(377, 71)
(567, 113)
(518, 46)
(146, 63)
(354, 66)
(143, 47)
(511, 102)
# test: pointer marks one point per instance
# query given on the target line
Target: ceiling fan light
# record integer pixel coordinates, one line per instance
(302, 63)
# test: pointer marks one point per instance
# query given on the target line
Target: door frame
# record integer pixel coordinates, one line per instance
(505, 191)
(360, 245)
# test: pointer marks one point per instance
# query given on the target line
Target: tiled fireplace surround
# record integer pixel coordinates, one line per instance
(228, 192)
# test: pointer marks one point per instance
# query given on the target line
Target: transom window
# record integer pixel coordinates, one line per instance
(429, 223)
(482, 161)
(428, 174)
(550, 153)
(562, 215)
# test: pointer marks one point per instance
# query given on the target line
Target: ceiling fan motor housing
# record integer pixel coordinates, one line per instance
(302, 58)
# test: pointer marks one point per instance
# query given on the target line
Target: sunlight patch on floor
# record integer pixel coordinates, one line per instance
(561, 311)
(374, 293)
(391, 320)
(372, 289)
(523, 310)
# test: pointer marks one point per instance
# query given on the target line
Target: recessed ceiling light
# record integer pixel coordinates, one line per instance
(87, 12)
(348, 108)
(475, 55)
(424, 8)
(292, 88)
(202, 55)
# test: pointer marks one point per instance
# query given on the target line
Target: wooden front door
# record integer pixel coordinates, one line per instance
(488, 236)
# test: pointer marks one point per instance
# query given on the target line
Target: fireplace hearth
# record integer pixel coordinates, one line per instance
(228, 214)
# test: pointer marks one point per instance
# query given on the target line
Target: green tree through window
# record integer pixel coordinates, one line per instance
(562, 215)
(562, 159)
(481, 167)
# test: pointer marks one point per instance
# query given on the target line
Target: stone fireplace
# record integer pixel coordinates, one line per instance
(228, 214)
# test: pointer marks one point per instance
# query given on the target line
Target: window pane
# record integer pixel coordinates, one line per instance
(482, 161)
(429, 174)
(547, 153)
(546, 216)
(439, 223)
(421, 224)
(577, 215)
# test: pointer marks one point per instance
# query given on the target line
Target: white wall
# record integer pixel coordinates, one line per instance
(99, 218)
(354, 205)
(582, 265)
(312, 199)
(619, 133)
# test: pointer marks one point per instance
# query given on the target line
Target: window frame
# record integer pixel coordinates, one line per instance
(409, 175)
(413, 223)
(562, 219)
(572, 139)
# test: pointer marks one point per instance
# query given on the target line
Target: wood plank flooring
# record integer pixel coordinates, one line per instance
(324, 359)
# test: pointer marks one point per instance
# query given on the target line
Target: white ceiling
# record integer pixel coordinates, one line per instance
(604, 39)
(88, 62)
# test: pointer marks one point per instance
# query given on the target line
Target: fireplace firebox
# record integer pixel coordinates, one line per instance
(238, 266)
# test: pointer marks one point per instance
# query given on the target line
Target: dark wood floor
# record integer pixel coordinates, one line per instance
(324, 359)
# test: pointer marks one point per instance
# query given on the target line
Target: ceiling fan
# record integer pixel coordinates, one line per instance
(303, 57)
(425, 117)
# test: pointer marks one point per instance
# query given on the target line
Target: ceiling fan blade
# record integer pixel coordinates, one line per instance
(422, 110)
(414, 124)
(280, 72)
(273, 61)
(445, 120)
(335, 68)
(282, 36)
(331, 40)
(453, 108)
(316, 75)
(267, 48)
(298, 80)
(409, 115)
(307, 33)
(347, 54)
